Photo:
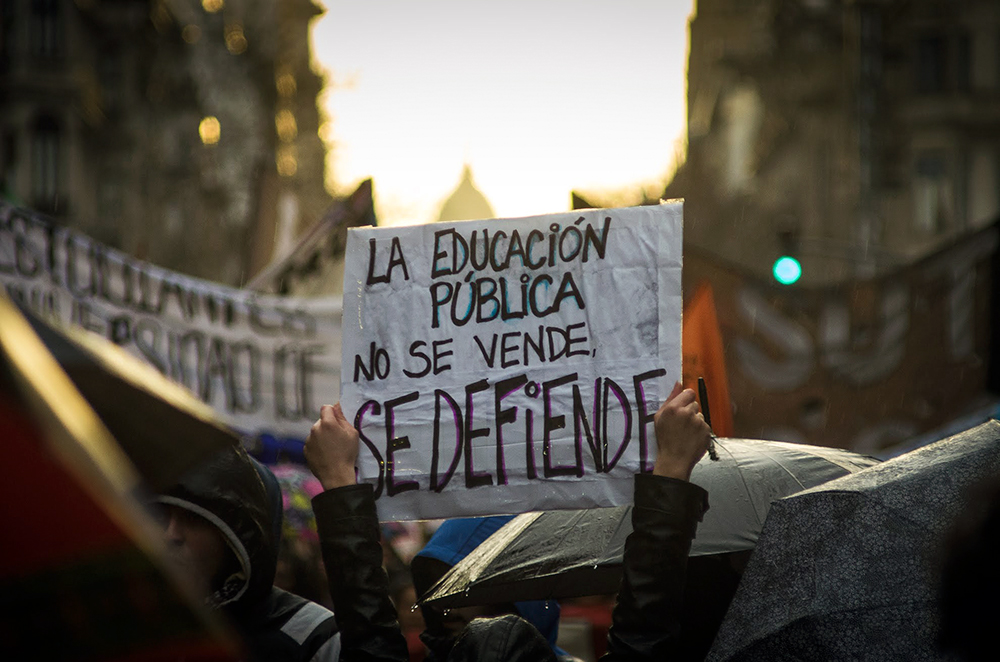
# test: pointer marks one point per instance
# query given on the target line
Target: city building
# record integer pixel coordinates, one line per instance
(862, 138)
(857, 136)
(184, 132)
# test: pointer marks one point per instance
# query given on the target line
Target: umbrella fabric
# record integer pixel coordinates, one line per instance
(160, 425)
(83, 576)
(847, 571)
(559, 554)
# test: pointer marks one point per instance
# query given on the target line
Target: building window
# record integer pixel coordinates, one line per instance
(744, 116)
(7, 34)
(931, 64)
(996, 72)
(109, 200)
(932, 192)
(110, 74)
(8, 163)
(963, 62)
(45, 164)
(983, 184)
(46, 29)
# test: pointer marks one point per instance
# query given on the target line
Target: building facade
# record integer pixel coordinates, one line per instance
(183, 132)
(466, 202)
(857, 135)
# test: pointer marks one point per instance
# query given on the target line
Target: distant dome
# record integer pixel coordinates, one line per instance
(466, 203)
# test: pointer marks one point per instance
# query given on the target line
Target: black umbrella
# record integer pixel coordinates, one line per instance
(559, 554)
(846, 571)
(160, 425)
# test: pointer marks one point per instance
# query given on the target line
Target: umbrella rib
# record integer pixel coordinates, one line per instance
(786, 470)
(743, 479)
(561, 539)
(493, 545)
(848, 610)
(614, 534)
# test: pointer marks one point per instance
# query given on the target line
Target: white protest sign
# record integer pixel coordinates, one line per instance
(511, 365)
(265, 363)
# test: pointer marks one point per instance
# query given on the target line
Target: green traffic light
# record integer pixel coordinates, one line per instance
(787, 270)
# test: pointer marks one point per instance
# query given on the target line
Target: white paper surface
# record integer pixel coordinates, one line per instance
(523, 333)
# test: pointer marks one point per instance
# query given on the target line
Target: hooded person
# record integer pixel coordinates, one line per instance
(220, 531)
(451, 543)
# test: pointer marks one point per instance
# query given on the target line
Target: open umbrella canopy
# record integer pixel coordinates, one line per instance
(558, 554)
(82, 573)
(847, 570)
(161, 426)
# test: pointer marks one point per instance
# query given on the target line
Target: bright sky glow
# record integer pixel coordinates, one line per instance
(540, 97)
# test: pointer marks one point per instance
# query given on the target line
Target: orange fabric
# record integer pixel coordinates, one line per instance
(703, 356)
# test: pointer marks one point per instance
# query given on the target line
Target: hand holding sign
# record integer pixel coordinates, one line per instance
(682, 435)
(331, 448)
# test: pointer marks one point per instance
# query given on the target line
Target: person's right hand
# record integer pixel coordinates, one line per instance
(331, 449)
(682, 435)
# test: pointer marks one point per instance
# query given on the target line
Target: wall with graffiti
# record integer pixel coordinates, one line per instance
(863, 364)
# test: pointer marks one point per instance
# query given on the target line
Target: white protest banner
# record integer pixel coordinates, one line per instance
(265, 363)
(510, 365)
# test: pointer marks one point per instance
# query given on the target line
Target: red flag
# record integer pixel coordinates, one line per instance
(81, 574)
(703, 356)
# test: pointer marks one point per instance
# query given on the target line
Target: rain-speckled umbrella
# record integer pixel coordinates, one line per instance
(847, 571)
(559, 554)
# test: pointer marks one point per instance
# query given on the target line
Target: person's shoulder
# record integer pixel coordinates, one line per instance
(294, 628)
(299, 618)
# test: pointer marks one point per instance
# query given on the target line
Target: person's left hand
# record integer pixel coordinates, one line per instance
(331, 449)
(682, 435)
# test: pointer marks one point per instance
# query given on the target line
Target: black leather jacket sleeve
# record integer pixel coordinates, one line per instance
(349, 538)
(646, 618)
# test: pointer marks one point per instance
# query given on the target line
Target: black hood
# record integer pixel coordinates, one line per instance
(228, 492)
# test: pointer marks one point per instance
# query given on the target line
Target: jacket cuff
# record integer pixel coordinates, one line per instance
(679, 500)
(347, 502)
